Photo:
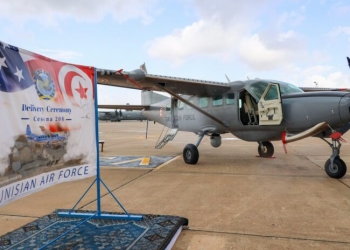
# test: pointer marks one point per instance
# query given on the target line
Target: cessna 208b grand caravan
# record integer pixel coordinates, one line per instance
(253, 110)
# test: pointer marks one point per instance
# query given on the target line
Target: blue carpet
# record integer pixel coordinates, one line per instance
(152, 232)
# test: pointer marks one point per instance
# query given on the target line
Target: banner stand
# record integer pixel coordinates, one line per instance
(98, 181)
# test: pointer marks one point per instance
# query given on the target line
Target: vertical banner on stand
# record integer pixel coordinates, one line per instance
(47, 131)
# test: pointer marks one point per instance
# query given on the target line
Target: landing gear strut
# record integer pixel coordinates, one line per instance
(190, 152)
(334, 166)
(265, 149)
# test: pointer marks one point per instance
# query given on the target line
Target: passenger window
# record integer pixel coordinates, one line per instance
(187, 106)
(230, 98)
(272, 93)
(217, 100)
(203, 102)
(180, 105)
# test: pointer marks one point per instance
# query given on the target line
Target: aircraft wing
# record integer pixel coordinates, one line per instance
(126, 107)
(138, 79)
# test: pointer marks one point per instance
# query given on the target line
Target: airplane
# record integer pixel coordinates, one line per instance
(259, 110)
(48, 138)
(118, 116)
(348, 61)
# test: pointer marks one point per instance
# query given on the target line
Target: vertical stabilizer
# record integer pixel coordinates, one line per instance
(28, 131)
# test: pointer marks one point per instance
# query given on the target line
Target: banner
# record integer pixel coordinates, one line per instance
(47, 125)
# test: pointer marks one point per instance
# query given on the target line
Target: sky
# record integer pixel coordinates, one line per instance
(304, 42)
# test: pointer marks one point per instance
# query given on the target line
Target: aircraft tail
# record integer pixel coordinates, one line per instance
(28, 131)
(348, 61)
(150, 97)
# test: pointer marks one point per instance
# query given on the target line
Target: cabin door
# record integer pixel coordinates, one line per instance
(270, 106)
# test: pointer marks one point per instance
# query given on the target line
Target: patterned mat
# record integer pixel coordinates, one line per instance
(152, 232)
(133, 161)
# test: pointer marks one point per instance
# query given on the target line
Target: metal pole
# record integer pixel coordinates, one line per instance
(98, 176)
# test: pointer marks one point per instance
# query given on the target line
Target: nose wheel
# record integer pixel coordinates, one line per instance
(334, 166)
(337, 169)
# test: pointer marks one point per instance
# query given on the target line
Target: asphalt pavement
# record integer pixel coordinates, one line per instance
(232, 198)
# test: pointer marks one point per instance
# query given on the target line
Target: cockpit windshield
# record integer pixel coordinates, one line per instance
(258, 88)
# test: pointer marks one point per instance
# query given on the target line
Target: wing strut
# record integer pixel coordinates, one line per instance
(192, 105)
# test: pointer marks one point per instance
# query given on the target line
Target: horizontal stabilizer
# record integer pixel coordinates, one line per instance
(126, 107)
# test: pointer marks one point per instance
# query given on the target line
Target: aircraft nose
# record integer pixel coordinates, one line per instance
(344, 108)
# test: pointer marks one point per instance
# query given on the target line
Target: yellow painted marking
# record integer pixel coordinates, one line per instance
(145, 161)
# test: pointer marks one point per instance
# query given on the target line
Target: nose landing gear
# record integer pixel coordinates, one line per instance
(334, 166)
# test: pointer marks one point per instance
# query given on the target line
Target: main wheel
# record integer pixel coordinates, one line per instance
(190, 154)
(267, 150)
(338, 170)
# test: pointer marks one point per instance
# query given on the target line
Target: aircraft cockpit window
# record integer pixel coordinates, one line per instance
(230, 98)
(217, 100)
(203, 102)
(258, 88)
(272, 93)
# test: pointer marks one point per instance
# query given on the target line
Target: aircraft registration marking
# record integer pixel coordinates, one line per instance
(186, 117)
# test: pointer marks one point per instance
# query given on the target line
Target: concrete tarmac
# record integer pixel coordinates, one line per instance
(233, 199)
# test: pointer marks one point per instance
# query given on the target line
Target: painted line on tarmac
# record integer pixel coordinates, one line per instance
(166, 163)
(270, 236)
(122, 162)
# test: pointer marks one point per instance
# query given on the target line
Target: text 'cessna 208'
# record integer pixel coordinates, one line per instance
(252, 110)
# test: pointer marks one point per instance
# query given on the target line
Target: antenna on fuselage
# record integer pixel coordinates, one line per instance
(143, 67)
(228, 79)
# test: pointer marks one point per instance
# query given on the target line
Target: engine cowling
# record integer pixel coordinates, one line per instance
(215, 141)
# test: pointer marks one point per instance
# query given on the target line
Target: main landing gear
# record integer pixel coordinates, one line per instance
(190, 152)
(265, 149)
(334, 166)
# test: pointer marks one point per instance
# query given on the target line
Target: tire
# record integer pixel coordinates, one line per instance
(338, 170)
(267, 150)
(190, 154)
